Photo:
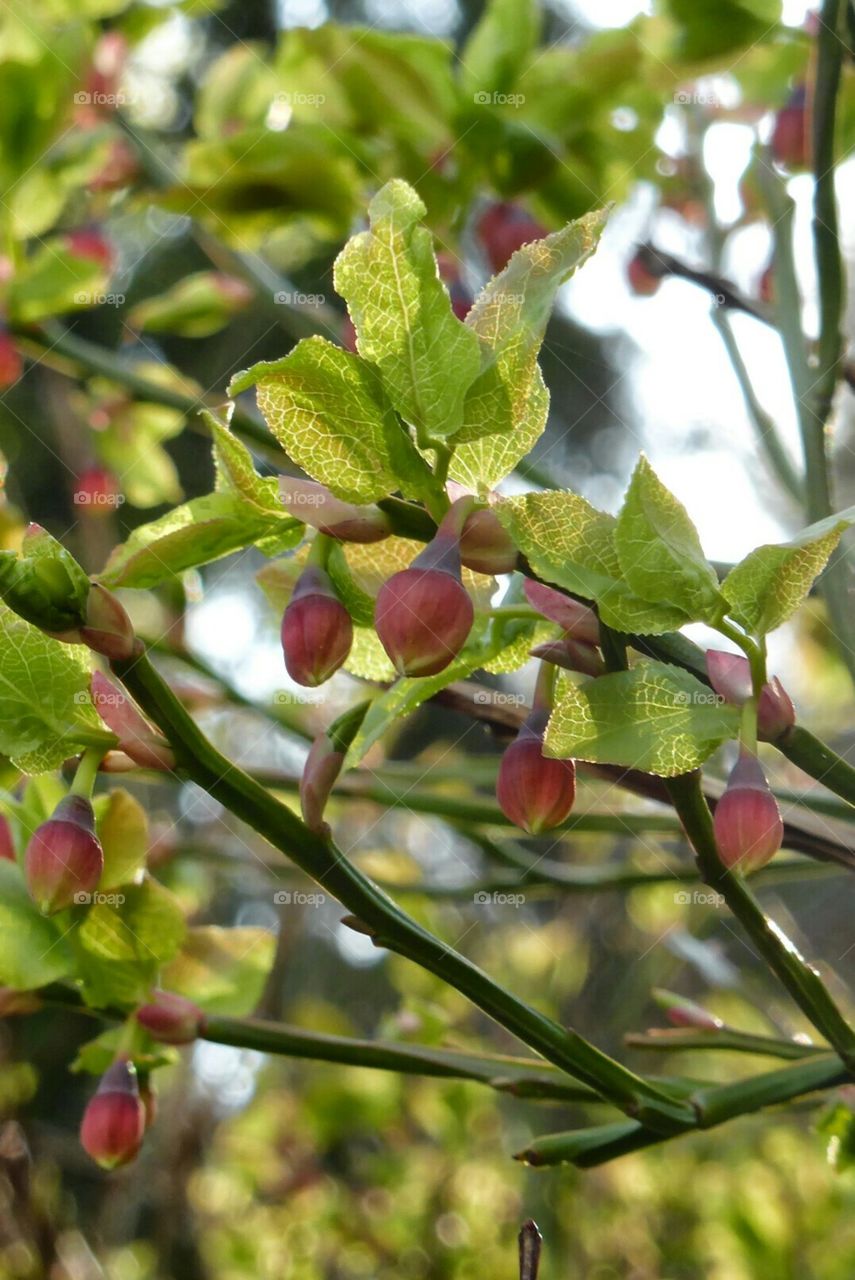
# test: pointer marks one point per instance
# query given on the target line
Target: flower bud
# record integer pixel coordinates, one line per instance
(11, 361)
(790, 141)
(535, 792)
(315, 505)
(485, 544)
(170, 1018)
(682, 1012)
(14, 1002)
(505, 227)
(88, 242)
(114, 1121)
(63, 858)
(575, 619)
(137, 738)
(748, 826)
(730, 677)
(424, 614)
(107, 628)
(324, 763)
(7, 843)
(572, 655)
(317, 631)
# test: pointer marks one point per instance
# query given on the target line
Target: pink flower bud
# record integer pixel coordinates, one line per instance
(14, 1002)
(7, 844)
(63, 858)
(682, 1012)
(315, 505)
(114, 1121)
(170, 1018)
(423, 614)
(730, 677)
(535, 792)
(137, 738)
(88, 242)
(317, 631)
(576, 619)
(572, 655)
(107, 628)
(485, 544)
(748, 826)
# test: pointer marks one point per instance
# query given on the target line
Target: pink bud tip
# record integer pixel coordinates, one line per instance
(170, 1018)
(315, 505)
(107, 628)
(535, 792)
(317, 630)
(576, 619)
(423, 617)
(7, 844)
(682, 1012)
(64, 860)
(730, 676)
(322, 768)
(571, 655)
(137, 739)
(15, 1002)
(748, 827)
(114, 1121)
(485, 545)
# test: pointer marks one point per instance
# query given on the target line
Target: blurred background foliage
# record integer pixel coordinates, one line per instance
(178, 180)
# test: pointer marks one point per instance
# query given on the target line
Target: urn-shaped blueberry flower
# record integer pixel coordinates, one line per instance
(535, 791)
(64, 859)
(114, 1121)
(748, 826)
(317, 631)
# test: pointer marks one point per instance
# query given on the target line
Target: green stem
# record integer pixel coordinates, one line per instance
(800, 979)
(678, 1038)
(87, 772)
(387, 924)
(804, 749)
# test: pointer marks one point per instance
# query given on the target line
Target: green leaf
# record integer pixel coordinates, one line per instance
(237, 89)
(499, 47)
(196, 533)
(659, 550)
(44, 584)
(388, 275)
(196, 306)
(54, 280)
(655, 717)
(123, 941)
(508, 402)
(46, 710)
(131, 445)
(328, 410)
(707, 29)
(97, 1055)
(123, 832)
(837, 1125)
(235, 470)
(770, 584)
(33, 950)
(572, 544)
(223, 970)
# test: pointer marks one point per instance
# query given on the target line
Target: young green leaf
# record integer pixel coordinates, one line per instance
(330, 413)
(508, 402)
(33, 948)
(659, 550)
(499, 47)
(653, 717)
(123, 831)
(202, 530)
(123, 941)
(44, 584)
(235, 472)
(769, 585)
(572, 544)
(45, 707)
(426, 357)
(222, 970)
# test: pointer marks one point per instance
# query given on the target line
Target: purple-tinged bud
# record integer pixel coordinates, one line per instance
(730, 677)
(748, 827)
(315, 505)
(576, 619)
(485, 544)
(7, 844)
(682, 1012)
(107, 628)
(170, 1018)
(572, 655)
(64, 860)
(535, 792)
(424, 614)
(14, 1002)
(114, 1121)
(137, 738)
(324, 764)
(317, 630)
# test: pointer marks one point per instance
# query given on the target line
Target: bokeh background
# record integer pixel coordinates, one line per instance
(246, 138)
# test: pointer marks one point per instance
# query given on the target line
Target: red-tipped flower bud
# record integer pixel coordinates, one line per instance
(317, 630)
(682, 1012)
(64, 860)
(485, 544)
(576, 619)
(137, 739)
(114, 1121)
(107, 628)
(505, 227)
(170, 1018)
(424, 614)
(88, 242)
(790, 136)
(324, 763)
(7, 844)
(535, 792)
(11, 361)
(748, 826)
(730, 676)
(572, 655)
(315, 505)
